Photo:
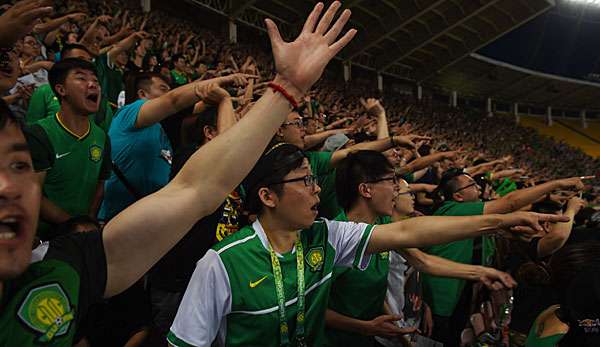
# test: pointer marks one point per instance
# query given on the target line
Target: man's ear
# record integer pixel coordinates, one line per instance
(141, 94)
(60, 90)
(209, 132)
(268, 197)
(364, 189)
(458, 197)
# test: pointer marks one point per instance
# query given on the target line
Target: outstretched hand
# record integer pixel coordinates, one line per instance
(302, 61)
(529, 222)
(20, 19)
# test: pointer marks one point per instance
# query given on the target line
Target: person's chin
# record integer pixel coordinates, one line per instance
(13, 263)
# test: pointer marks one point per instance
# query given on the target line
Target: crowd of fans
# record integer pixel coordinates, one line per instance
(177, 188)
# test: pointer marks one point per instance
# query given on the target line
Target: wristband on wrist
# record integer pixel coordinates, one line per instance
(279, 89)
(392, 141)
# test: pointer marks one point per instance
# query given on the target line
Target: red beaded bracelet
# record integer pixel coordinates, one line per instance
(288, 96)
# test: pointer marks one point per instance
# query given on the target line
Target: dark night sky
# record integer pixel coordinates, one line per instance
(564, 41)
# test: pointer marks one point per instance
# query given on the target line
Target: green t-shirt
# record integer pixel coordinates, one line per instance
(237, 305)
(44, 103)
(42, 307)
(179, 78)
(442, 293)
(321, 167)
(74, 166)
(358, 294)
(533, 340)
(110, 78)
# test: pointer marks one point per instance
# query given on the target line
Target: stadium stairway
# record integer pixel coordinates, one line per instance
(570, 131)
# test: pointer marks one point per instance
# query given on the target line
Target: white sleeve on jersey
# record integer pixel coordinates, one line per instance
(350, 240)
(205, 304)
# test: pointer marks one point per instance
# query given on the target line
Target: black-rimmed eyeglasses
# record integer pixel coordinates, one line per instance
(465, 187)
(309, 180)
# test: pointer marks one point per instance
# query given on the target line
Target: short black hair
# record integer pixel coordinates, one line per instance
(139, 80)
(58, 73)
(448, 186)
(357, 168)
(7, 116)
(276, 162)
(208, 117)
(72, 46)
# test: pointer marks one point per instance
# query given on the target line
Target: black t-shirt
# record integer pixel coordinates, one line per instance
(173, 272)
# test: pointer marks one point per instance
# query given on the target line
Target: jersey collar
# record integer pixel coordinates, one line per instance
(258, 229)
(65, 128)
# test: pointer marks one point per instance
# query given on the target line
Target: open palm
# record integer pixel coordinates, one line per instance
(302, 61)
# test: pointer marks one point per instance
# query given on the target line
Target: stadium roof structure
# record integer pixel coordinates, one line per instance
(431, 42)
(483, 77)
(408, 39)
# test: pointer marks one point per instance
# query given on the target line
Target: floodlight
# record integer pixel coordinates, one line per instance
(586, 2)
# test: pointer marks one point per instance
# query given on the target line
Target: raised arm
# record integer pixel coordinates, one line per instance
(560, 232)
(220, 165)
(374, 107)
(313, 140)
(125, 45)
(438, 266)
(428, 160)
(155, 110)
(57, 22)
(524, 197)
(377, 145)
(428, 231)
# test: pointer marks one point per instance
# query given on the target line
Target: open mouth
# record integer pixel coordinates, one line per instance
(315, 207)
(9, 228)
(93, 98)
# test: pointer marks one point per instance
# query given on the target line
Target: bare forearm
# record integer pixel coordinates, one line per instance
(226, 116)
(51, 25)
(339, 321)
(382, 127)
(423, 162)
(377, 145)
(557, 238)
(522, 197)
(313, 140)
(438, 266)
(428, 231)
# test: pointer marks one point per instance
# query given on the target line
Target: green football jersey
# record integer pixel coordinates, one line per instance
(42, 306)
(110, 78)
(442, 293)
(358, 294)
(44, 103)
(74, 166)
(321, 167)
(232, 298)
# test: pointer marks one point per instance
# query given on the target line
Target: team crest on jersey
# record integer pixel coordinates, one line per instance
(384, 255)
(47, 310)
(315, 259)
(95, 153)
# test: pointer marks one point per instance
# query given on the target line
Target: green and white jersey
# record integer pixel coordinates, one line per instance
(42, 307)
(231, 297)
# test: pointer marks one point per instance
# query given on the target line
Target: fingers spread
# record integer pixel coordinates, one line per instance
(327, 18)
(336, 29)
(273, 31)
(341, 43)
(311, 21)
